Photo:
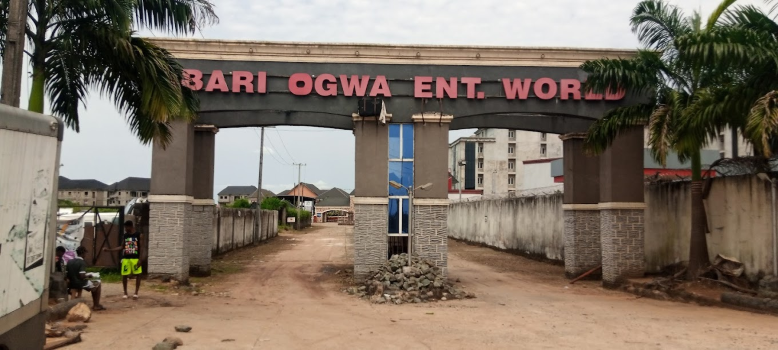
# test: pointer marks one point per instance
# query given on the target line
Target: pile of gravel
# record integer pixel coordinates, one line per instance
(395, 282)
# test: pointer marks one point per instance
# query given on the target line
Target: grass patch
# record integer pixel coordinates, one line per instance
(107, 274)
(226, 267)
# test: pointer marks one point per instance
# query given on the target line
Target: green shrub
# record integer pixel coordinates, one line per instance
(241, 203)
(272, 203)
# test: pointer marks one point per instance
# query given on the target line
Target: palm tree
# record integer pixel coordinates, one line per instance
(661, 70)
(78, 45)
(746, 47)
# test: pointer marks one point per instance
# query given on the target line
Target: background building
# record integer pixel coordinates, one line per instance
(120, 193)
(230, 193)
(86, 192)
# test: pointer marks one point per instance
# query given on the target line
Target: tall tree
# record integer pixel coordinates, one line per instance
(746, 48)
(78, 45)
(659, 69)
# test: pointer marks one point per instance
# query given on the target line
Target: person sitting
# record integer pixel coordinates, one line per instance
(78, 279)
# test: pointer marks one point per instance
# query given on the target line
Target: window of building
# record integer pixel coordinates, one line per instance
(512, 134)
(511, 148)
(480, 147)
(511, 164)
(70, 193)
(86, 193)
(481, 164)
(511, 180)
(400, 171)
(543, 136)
(480, 180)
(93, 194)
(543, 150)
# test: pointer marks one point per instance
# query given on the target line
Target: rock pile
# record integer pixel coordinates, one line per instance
(395, 282)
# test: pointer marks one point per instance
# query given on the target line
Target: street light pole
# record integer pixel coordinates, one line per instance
(461, 164)
(11, 88)
(258, 234)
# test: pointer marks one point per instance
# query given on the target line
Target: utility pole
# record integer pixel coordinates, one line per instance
(258, 234)
(459, 175)
(13, 58)
(300, 195)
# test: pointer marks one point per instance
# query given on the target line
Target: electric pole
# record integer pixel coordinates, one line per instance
(300, 195)
(13, 57)
(259, 188)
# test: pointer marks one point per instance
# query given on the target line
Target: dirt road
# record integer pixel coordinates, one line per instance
(289, 297)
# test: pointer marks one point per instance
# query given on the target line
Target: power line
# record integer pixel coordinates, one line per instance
(283, 144)
(274, 148)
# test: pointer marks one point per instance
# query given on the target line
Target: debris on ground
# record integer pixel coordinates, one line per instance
(395, 282)
(66, 338)
(79, 313)
(183, 328)
(164, 346)
(174, 340)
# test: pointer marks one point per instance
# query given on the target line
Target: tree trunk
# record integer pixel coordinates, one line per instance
(698, 246)
(37, 91)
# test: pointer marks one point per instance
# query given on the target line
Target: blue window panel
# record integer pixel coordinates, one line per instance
(405, 216)
(394, 215)
(394, 141)
(401, 172)
(407, 141)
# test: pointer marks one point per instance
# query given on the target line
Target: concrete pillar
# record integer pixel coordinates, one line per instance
(203, 206)
(580, 207)
(622, 208)
(430, 207)
(371, 141)
(170, 198)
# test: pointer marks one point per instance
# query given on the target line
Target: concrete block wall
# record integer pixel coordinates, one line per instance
(582, 250)
(622, 234)
(201, 240)
(168, 241)
(430, 234)
(234, 228)
(370, 240)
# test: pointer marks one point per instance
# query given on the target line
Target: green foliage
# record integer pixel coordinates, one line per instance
(304, 214)
(76, 46)
(273, 203)
(240, 203)
(107, 274)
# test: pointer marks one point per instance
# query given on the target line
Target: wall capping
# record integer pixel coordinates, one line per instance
(163, 198)
(573, 207)
(622, 205)
(371, 201)
(431, 201)
(432, 117)
(267, 51)
(203, 202)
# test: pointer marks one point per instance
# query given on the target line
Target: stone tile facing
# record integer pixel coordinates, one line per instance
(622, 233)
(582, 241)
(370, 237)
(168, 251)
(430, 234)
(201, 240)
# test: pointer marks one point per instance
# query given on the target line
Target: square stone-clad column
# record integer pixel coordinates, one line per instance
(622, 208)
(201, 239)
(430, 231)
(370, 234)
(581, 213)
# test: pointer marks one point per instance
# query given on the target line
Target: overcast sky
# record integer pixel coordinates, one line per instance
(105, 149)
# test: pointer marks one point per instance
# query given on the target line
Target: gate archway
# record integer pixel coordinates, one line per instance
(400, 102)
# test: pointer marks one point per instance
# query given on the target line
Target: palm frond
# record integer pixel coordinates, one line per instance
(65, 84)
(762, 123)
(602, 133)
(751, 17)
(725, 48)
(639, 75)
(657, 24)
(720, 11)
(175, 16)
(662, 124)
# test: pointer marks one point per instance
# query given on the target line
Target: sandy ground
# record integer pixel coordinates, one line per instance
(290, 297)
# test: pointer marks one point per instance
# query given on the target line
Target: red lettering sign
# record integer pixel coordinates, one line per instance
(217, 82)
(242, 79)
(546, 94)
(193, 79)
(262, 82)
(422, 87)
(450, 88)
(570, 86)
(380, 87)
(331, 89)
(516, 88)
(471, 83)
(300, 78)
(354, 85)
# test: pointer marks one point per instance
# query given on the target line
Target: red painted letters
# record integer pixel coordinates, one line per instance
(242, 79)
(471, 83)
(193, 79)
(331, 89)
(261, 82)
(217, 82)
(517, 88)
(570, 86)
(294, 84)
(354, 85)
(450, 88)
(380, 87)
(545, 95)
(422, 87)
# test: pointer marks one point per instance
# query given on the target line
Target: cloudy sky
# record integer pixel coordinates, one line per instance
(106, 151)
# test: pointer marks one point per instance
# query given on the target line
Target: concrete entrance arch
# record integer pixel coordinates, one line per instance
(426, 91)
